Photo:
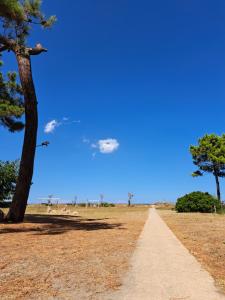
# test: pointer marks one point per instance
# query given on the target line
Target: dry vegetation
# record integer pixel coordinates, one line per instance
(204, 236)
(164, 205)
(68, 257)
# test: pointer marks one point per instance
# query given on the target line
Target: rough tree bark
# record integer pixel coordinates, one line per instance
(218, 188)
(17, 210)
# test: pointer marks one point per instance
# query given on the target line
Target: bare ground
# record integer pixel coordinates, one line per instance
(204, 236)
(163, 269)
(64, 257)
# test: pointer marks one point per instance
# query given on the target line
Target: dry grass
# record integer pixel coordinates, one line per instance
(68, 257)
(164, 205)
(204, 236)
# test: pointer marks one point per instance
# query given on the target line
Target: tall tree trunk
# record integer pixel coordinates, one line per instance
(18, 207)
(218, 188)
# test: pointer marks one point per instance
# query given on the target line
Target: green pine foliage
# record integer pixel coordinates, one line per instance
(18, 16)
(11, 102)
(11, 9)
(197, 202)
(209, 155)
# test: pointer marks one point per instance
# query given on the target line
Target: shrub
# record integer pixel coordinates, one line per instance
(107, 204)
(8, 178)
(81, 204)
(222, 210)
(197, 202)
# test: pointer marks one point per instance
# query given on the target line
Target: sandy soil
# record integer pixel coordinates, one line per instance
(163, 269)
(64, 257)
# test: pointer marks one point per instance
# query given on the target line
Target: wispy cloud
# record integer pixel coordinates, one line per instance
(85, 140)
(67, 121)
(50, 126)
(94, 145)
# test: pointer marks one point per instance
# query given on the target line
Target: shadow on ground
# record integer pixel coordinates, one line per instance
(55, 224)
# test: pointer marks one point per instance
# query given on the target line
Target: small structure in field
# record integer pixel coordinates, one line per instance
(50, 200)
(130, 196)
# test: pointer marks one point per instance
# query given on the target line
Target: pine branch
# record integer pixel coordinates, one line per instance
(7, 44)
(38, 49)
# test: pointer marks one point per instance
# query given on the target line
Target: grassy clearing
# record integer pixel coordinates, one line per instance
(204, 236)
(68, 257)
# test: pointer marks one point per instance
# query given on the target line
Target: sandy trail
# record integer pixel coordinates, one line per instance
(163, 269)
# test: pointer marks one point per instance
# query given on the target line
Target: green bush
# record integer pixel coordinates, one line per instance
(107, 204)
(8, 177)
(197, 202)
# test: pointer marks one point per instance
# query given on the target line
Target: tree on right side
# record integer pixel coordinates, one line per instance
(209, 157)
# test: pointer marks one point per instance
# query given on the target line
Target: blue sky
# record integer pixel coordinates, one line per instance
(149, 74)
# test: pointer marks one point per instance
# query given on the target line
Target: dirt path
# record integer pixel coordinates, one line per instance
(163, 269)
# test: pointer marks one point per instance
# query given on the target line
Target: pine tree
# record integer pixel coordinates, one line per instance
(17, 18)
(209, 157)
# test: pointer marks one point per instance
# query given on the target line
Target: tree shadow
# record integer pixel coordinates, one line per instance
(55, 224)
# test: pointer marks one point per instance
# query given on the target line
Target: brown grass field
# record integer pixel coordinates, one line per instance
(204, 236)
(68, 257)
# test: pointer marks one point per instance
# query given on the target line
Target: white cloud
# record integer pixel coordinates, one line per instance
(104, 146)
(108, 145)
(50, 126)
